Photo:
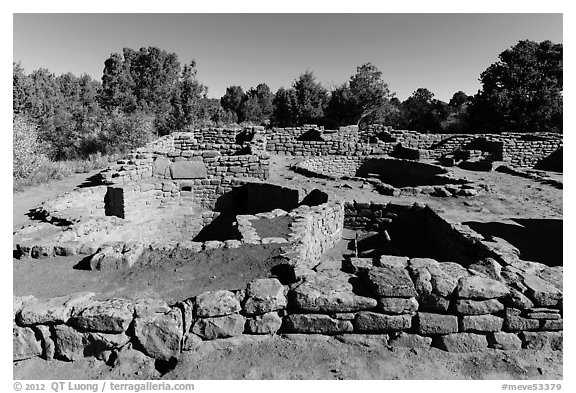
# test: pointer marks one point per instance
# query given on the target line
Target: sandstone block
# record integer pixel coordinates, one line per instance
(429, 323)
(482, 323)
(407, 340)
(316, 323)
(397, 305)
(216, 303)
(477, 307)
(264, 295)
(268, 323)
(542, 340)
(160, 334)
(25, 345)
(462, 342)
(478, 287)
(367, 321)
(390, 282)
(505, 341)
(219, 327)
(107, 316)
(54, 310)
(69, 343)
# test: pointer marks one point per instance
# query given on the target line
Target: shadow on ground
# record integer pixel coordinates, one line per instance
(539, 240)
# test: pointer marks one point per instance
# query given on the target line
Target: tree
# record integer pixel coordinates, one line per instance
(187, 99)
(371, 94)
(232, 100)
(457, 117)
(421, 112)
(285, 105)
(522, 91)
(342, 107)
(21, 89)
(311, 99)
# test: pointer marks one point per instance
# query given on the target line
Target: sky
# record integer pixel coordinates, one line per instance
(442, 52)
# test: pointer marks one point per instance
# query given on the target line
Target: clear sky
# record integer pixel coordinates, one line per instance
(442, 52)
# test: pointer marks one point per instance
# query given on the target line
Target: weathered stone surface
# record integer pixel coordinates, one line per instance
(462, 342)
(316, 323)
(359, 264)
(43, 331)
(54, 310)
(216, 304)
(433, 303)
(188, 170)
(489, 267)
(477, 307)
(329, 293)
(18, 303)
(390, 282)
(145, 307)
(213, 245)
(364, 340)
(264, 295)
(543, 315)
(436, 323)
(219, 327)
(478, 287)
(190, 341)
(551, 324)
(393, 261)
(161, 166)
(517, 300)
(397, 305)
(24, 344)
(542, 340)
(69, 343)
(367, 321)
(406, 340)
(107, 316)
(431, 276)
(482, 323)
(542, 292)
(268, 323)
(160, 334)
(517, 323)
(42, 251)
(505, 341)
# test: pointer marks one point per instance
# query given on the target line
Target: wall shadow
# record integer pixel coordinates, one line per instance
(539, 240)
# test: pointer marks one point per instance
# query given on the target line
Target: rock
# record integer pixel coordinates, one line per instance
(160, 166)
(25, 345)
(268, 323)
(66, 248)
(433, 303)
(542, 340)
(188, 170)
(477, 307)
(107, 316)
(216, 304)
(275, 240)
(517, 323)
(390, 282)
(347, 316)
(397, 305)
(130, 257)
(69, 343)
(543, 315)
(219, 327)
(504, 341)
(18, 304)
(542, 292)
(191, 341)
(213, 245)
(406, 340)
(43, 331)
(329, 293)
(316, 323)
(488, 267)
(393, 261)
(355, 265)
(551, 324)
(145, 307)
(482, 323)
(477, 287)
(232, 243)
(160, 335)
(436, 323)
(264, 295)
(462, 342)
(367, 321)
(517, 300)
(42, 251)
(54, 310)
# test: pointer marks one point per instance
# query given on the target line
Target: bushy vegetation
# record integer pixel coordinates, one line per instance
(146, 93)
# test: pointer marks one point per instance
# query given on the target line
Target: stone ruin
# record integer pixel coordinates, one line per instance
(420, 280)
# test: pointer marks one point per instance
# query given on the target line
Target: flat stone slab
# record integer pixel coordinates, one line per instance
(386, 281)
(504, 341)
(482, 323)
(397, 305)
(108, 316)
(478, 287)
(268, 323)
(436, 323)
(462, 342)
(542, 292)
(477, 307)
(54, 310)
(316, 323)
(188, 170)
(367, 321)
(264, 295)
(542, 340)
(216, 304)
(24, 344)
(329, 293)
(219, 327)
(407, 340)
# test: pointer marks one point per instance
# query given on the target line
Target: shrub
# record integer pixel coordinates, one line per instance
(27, 156)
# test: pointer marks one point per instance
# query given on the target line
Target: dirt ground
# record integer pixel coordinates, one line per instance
(526, 213)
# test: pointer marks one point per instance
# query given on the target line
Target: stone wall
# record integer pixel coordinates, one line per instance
(517, 149)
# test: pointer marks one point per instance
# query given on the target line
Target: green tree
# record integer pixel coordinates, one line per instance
(187, 105)
(523, 91)
(21, 90)
(311, 98)
(232, 100)
(421, 112)
(285, 103)
(457, 117)
(371, 94)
